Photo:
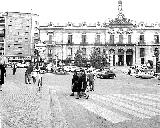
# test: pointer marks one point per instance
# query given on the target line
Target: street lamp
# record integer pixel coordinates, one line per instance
(156, 53)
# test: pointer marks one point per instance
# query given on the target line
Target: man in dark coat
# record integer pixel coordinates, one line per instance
(14, 69)
(28, 74)
(2, 74)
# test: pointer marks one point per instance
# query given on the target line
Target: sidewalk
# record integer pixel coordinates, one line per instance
(25, 107)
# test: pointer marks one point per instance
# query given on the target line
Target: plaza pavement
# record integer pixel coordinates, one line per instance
(23, 106)
(113, 104)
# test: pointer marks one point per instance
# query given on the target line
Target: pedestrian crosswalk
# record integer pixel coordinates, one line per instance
(122, 107)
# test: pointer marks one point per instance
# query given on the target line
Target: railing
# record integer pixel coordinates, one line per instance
(70, 43)
(141, 43)
(98, 43)
(120, 44)
(83, 43)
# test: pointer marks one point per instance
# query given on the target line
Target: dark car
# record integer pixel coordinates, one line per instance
(107, 74)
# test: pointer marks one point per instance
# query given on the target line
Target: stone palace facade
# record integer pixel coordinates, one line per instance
(125, 42)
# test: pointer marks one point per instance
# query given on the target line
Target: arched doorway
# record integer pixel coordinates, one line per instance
(120, 57)
(112, 57)
(129, 57)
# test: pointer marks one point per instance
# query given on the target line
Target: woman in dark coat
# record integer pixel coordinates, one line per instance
(2, 74)
(74, 83)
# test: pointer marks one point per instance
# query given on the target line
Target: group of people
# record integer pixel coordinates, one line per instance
(82, 83)
(33, 72)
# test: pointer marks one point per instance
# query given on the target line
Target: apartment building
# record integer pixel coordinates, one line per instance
(21, 34)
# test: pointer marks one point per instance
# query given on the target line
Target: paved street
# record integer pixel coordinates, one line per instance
(125, 101)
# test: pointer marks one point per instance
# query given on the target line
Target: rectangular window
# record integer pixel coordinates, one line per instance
(142, 60)
(141, 39)
(104, 51)
(50, 39)
(120, 39)
(129, 39)
(49, 51)
(36, 34)
(1, 39)
(84, 51)
(70, 51)
(142, 52)
(98, 39)
(112, 39)
(156, 38)
(83, 38)
(69, 39)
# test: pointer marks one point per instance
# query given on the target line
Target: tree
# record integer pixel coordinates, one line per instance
(79, 59)
(98, 59)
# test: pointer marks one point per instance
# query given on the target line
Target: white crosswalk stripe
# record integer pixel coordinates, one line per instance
(107, 114)
(132, 105)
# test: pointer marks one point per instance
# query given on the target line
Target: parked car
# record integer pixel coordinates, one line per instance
(106, 74)
(70, 68)
(20, 65)
(146, 76)
(60, 71)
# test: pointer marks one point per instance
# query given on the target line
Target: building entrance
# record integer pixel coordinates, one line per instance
(129, 57)
(112, 57)
(120, 57)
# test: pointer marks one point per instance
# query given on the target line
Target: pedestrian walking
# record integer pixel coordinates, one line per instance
(74, 83)
(79, 85)
(2, 74)
(28, 74)
(34, 74)
(84, 84)
(14, 69)
(91, 78)
(39, 79)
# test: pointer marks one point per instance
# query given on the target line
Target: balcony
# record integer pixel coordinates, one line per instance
(121, 44)
(141, 43)
(70, 43)
(97, 43)
(84, 43)
(49, 55)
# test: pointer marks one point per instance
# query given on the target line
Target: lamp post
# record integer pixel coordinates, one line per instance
(156, 53)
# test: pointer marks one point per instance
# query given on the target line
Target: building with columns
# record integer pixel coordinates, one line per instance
(125, 42)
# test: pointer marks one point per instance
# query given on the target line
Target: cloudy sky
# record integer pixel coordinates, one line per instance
(91, 11)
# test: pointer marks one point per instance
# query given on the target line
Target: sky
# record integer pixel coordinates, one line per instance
(89, 11)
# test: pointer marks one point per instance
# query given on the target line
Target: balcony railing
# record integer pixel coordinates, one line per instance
(97, 43)
(70, 43)
(83, 43)
(141, 43)
(120, 44)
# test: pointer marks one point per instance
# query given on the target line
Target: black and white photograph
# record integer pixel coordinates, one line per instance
(80, 64)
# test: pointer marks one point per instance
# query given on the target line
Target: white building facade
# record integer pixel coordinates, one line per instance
(125, 42)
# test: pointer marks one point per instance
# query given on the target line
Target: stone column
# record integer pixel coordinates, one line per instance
(133, 61)
(125, 64)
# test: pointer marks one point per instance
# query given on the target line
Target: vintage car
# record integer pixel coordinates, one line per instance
(70, 68)
(145, 74)
(60, 71)
(106, 74)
